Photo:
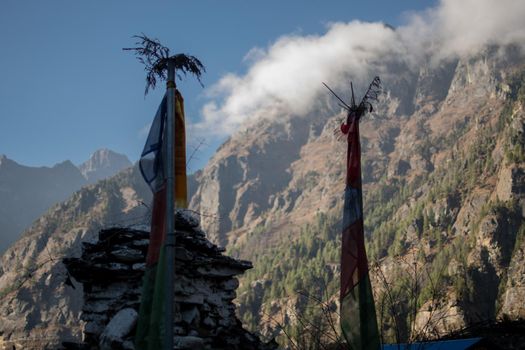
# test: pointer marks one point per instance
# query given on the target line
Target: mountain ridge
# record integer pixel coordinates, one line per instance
(36, 301)
(103, 163)
(443, 171)
(459, 115)
(32, 190)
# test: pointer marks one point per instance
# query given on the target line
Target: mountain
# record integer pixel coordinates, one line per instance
(443, 173)
(38, 309)
(102, 164)
(27, 192)
(30, 191)
(444, 199)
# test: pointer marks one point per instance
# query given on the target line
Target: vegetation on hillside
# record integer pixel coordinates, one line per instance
(432, 257)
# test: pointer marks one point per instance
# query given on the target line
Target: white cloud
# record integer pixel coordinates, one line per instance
(286, 77)
(458, 28)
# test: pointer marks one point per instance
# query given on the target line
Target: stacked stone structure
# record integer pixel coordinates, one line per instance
(111, 272)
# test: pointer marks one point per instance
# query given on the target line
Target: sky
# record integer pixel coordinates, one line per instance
(68, 89)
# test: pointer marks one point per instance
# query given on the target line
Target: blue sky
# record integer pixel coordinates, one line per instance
(67, 88)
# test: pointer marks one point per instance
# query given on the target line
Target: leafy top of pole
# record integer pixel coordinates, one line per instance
(155, 58)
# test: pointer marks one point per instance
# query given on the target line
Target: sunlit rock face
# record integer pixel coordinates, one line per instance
(102, 164)
(111, 272)
(445, 137)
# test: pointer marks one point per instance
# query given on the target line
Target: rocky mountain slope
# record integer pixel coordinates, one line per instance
(444, 173)
(27, 192)
(37, 305)
(443, 169)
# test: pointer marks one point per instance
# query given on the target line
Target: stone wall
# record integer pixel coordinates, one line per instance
(111, 272)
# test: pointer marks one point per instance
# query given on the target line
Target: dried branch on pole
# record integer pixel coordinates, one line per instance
(155, 57)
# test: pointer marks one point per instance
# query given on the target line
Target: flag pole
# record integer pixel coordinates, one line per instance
(170, 209)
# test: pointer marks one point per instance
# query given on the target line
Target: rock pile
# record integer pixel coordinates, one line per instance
(111, 272)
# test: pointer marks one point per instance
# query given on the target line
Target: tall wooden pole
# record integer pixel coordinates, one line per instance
(170, 208)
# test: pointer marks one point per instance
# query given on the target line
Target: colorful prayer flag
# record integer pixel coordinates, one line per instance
(358, 317)
(150, 328)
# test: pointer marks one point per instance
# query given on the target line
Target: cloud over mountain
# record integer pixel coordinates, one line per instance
(286, 77)
(458, 28)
